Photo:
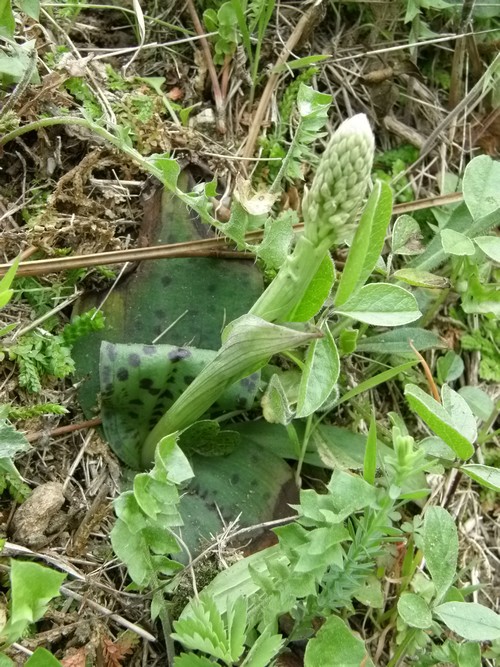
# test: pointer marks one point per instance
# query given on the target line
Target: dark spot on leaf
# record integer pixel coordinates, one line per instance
(136, 401)
(153, 391)
(254, 483)
(235, 478)
(133, 414)
(166, 393)
(166, 280)
(178, 354)
(212, 288)
(160, 314)
(146, 383)
(134, 359)
(188, 379)
(122, 374)
(149, 349)
(106, 374)
(111, 351)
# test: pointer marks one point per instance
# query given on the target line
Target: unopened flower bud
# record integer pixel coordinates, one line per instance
(340, 183)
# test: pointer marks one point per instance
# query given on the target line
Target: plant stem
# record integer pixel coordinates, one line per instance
(402, 648)
(292, 281)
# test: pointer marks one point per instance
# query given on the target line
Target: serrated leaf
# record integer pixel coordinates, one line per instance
(320, 374)
(397, 341)
(367, 243)
(418, 278)
(381, 304)
(278, 236)
(470, 620)
(439, 420)
(440, 548)
(168, 167)
(414, 611)
(455, 243)
(406, 236)
(490, 245)
(480, 186)
(485, 475)
(236, 626)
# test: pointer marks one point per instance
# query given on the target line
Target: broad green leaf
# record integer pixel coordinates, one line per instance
(414, 611)
(348, 339)
(7, 20)
(455, 243)
(12, 442)
(485, 475)
(460, 221)
(418, 278)
(406, 236)
(42, 658)
(490, 245)
(349, 493)
(397, 341)
(140, 382)
(263, 650)
(440, 548)
(172, 459)
(439, 420)
(335, 646)
(434, 446)
(320, 374)
(32, 586)
(469, 655)
(479, 401)
(449, 367)
(206, 437)
(275, 405)
(5, 661)
(480, 186)
(316, 293)
(367, 243)
(30, 7)
(460, 412)
(470, 620)
(381, 304)
(248, 344)
(370, 462)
